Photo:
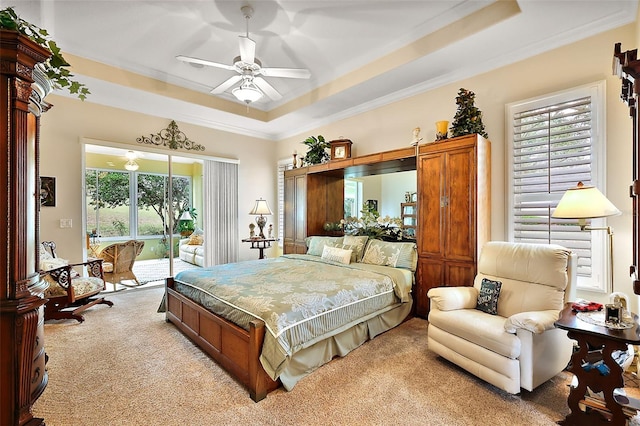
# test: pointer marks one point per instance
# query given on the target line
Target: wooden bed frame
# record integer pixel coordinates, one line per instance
(233, 348)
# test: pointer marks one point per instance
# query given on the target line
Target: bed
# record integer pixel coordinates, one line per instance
(271, 322)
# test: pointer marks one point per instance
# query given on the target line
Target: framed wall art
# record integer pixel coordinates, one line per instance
(47, 191)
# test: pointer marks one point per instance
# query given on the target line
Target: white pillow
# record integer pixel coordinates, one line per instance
(336, 254)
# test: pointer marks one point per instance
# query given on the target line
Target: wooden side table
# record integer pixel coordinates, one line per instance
(260, 244)
(596, 343)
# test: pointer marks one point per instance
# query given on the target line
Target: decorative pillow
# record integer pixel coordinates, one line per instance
(488, 296)
(44, 253)
(196, 240)
(316, 244)
(336, 254)
(52, 263)
(387, 253)
(355, 243)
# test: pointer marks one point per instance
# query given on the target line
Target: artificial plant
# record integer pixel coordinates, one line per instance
(55, 67)
(468, 118)
(317, 152)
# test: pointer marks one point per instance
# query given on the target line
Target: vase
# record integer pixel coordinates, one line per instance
(442, 130)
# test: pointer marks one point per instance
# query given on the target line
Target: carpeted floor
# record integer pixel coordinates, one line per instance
(126, 366)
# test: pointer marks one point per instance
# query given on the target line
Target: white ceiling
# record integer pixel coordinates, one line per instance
(361, 54)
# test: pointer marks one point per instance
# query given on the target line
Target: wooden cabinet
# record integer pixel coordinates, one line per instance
(310, 200)
(23, 376)
(453, 213)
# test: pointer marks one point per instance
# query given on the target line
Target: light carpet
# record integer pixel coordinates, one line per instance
(126, 365)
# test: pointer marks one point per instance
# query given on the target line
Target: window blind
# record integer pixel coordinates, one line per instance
(552, 152)
(282, 166)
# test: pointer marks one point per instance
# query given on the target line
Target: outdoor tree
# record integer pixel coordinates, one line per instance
(111, 190)
(468, 118)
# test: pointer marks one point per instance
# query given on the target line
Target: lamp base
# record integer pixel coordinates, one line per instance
(261, 221)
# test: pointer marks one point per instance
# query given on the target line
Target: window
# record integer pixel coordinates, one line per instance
(131, 204)
(553, 142)
(282, 166)
(352, 198)
(108, 200)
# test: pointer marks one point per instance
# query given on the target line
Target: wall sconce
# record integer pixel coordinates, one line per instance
(261, 208)
(131, 164)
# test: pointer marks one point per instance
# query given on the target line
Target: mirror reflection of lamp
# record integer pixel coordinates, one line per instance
(587, 202)
(260, 209)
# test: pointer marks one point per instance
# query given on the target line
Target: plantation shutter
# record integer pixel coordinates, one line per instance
(282, 166)
(552, 151)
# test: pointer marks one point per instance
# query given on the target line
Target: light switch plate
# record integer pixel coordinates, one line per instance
(65, 223)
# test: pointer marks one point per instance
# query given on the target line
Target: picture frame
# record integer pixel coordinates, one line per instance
(47, 191)
(414, 197)
(372, 205)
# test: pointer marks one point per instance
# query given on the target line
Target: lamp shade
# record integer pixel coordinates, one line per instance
(584, 202)
(261, 208)
(185, 215)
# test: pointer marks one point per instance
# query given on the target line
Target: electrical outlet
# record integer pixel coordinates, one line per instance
(66, 223)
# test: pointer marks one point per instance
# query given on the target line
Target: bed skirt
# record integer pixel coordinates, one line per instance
(306, 360)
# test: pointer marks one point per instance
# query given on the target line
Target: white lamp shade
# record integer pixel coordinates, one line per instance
(584, 202)
(261, 208)
(185, 215)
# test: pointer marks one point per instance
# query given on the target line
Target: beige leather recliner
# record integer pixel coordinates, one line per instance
(519, 347)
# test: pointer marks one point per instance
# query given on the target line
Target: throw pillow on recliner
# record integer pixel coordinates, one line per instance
(488, 296)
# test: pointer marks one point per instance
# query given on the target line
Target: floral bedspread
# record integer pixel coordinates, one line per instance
(300, 298)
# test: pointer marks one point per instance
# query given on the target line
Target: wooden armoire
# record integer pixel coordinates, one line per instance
(23, 375)
(454, 178)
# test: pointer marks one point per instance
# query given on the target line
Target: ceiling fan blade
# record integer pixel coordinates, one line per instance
(204, 62)
(267, 89)
(247, 50)
(224, 86)
(286, 72)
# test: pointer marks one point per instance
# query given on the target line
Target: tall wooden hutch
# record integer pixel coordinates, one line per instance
(452, 210)
(23, 375)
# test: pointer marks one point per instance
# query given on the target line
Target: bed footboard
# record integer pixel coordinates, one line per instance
(233, 348)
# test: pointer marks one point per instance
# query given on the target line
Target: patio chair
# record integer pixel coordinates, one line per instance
(118, 260)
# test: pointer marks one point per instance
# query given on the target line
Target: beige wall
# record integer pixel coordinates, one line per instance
(384, 128)
(590, 60)
(69, 121)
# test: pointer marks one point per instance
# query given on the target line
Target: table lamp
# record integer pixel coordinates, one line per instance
(261, 208)
(185, 224)
(587, 202)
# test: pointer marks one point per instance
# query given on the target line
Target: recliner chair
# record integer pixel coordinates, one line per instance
(519, 347)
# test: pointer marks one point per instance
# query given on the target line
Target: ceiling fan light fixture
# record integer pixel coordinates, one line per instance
(247, 93)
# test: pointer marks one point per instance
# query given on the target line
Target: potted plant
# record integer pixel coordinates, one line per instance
(317, 153)
(55, 68)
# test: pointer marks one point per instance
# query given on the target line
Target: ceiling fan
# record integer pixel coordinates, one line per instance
(250, 71)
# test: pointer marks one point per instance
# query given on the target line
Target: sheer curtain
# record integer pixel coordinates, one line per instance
(220, 205)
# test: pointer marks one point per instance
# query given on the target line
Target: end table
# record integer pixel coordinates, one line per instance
(596, 343)
(260, 244)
